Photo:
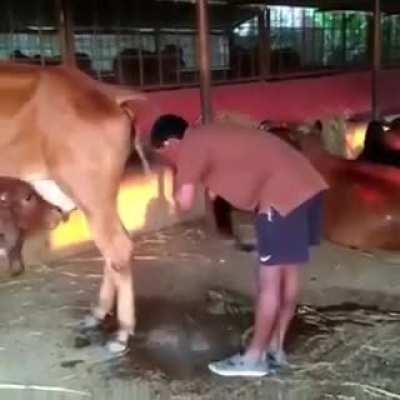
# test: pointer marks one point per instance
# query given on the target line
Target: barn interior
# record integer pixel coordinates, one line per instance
(283, 60)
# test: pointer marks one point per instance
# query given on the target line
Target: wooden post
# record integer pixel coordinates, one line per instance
(376, 61)
(344, 38)
(264, 44)
(204, 60)
(322, 44)
(66, 31)
(305, 56)
(219, 212)
(157, 37)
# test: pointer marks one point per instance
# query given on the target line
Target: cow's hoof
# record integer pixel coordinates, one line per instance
(16, 272)
(245, 247)
(16, 269)
(89, 323)
(82, 341)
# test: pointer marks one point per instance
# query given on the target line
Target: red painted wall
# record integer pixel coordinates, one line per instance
(291, 100)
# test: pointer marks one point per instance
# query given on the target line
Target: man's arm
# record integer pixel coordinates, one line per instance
(192, 164)
(184, 196)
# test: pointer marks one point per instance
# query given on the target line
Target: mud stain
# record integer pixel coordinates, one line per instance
(178, 340)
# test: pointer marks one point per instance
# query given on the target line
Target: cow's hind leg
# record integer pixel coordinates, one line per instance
(105, 306)
(123, 283)
(97, 199)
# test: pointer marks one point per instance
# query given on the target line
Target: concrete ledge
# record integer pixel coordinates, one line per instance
(144, 203)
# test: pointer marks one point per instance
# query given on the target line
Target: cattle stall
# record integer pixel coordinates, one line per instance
(152, 44)
(281, 60)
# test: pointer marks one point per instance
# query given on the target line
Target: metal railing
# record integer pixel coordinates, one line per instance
(302, 43)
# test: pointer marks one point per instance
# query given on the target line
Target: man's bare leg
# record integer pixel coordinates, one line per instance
(290, 288)
(266, 311)
(252, 363)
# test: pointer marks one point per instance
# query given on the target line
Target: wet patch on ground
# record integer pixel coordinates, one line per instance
(345, 351)
(340, 350)
(175, 339)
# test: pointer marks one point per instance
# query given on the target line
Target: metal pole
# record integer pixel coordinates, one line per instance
(322, 44)
(119, 70)
(304, 28)
(264, 43)
(157, 37)
(140, 56)
(95, 43)
(66, 31)
(344, 38)
(219, 212)
(204, 60)
(376, 63)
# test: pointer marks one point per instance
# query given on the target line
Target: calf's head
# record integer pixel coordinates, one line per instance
(35, 213)
(31, 211)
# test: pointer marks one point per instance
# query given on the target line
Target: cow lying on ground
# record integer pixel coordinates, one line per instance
(70, 136)
(22, 213)
(362, 207)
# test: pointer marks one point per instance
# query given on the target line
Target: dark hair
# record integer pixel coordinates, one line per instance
(167, 126)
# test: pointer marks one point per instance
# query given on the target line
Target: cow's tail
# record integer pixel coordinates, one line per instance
(132, 103)
(139, 149)
(137, 142)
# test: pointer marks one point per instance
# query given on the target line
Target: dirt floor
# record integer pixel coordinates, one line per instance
(344, 343)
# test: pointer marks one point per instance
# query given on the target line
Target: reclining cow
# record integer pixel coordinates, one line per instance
(70, 136)
(22, 213)
(362, 206)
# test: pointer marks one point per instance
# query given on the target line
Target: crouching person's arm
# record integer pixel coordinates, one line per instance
(185, 196)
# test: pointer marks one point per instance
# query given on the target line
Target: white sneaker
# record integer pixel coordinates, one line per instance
(237, 365)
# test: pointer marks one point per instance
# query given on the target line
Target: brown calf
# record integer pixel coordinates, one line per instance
(22, 213)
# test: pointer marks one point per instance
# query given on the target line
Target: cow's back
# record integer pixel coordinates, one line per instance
(18, 84)
(70, 90)
(43, 111)
(19, 147)
(75, 116)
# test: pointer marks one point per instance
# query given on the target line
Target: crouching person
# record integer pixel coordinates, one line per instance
(263, 174)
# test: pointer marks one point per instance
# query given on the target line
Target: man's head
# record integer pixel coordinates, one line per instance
(167, 130)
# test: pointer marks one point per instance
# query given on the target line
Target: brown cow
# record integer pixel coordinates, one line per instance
(70, 136)
(22, 213)
(362, 208)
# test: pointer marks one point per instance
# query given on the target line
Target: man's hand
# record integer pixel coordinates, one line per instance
(184, 197)
(211, 195)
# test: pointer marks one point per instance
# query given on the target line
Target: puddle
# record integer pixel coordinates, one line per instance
(179, 339)
(176, 341)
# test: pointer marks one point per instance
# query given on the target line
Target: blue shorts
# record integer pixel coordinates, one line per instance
(286, 240)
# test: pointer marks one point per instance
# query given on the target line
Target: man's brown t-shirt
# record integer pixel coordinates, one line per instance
(249, 168)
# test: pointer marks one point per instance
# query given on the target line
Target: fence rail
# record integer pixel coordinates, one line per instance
(152, 56)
